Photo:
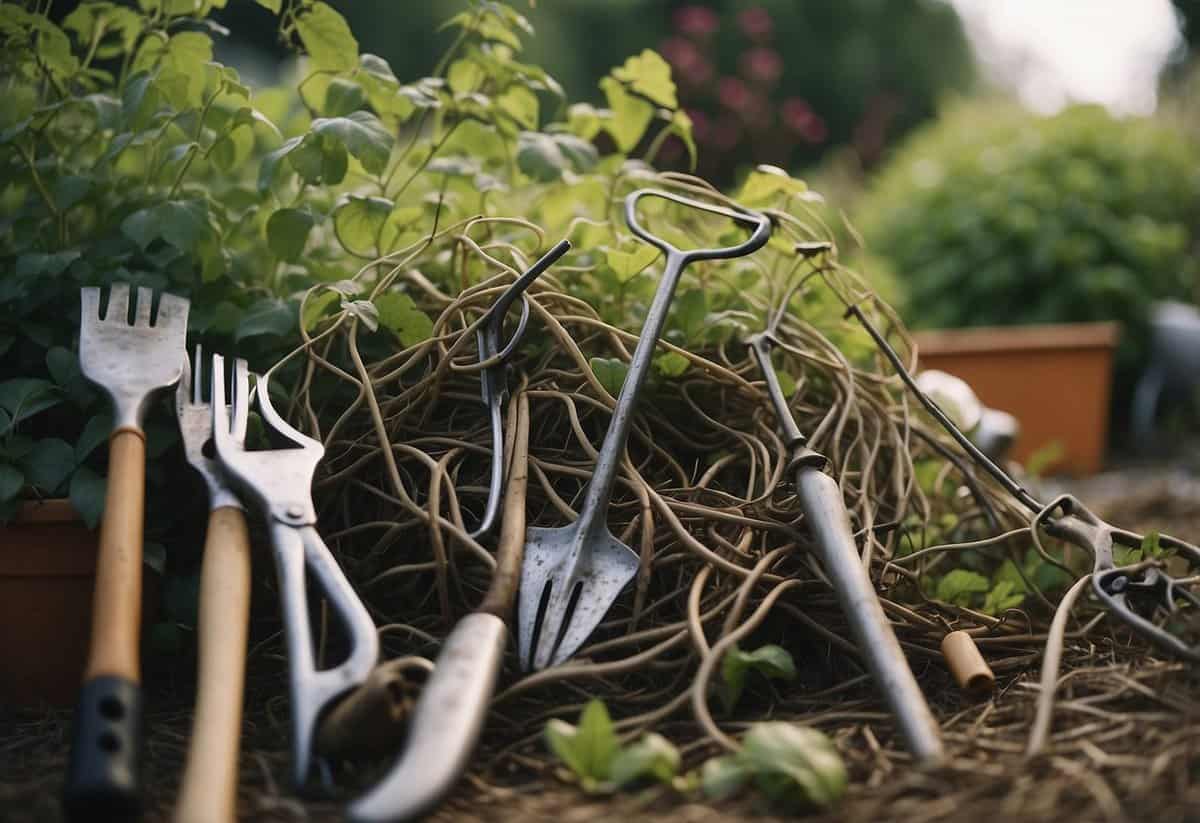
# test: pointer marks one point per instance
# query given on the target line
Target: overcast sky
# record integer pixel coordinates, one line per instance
(1054, 52)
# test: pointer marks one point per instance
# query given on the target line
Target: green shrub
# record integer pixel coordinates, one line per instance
(994, 216)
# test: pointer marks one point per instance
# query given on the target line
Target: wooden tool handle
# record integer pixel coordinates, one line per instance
(104, 775)
(209, 791)
(511, 547)
(117, 601)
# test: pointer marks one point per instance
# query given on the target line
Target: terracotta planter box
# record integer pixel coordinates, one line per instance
(1055, 380)
(47, 573)
(47, 568)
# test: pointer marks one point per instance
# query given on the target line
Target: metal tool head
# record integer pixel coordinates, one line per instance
(445, 724)
(131, 360)
(569, 580)
(1142, 594)
(195, 424)
(493, 387)
(279, 480)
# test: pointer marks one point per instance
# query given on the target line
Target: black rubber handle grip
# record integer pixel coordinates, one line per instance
(104, 778)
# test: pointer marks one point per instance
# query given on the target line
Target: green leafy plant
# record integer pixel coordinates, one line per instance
(345, 204)
(982, 584)
(593, 753)
(1150, 548)
(795, 767)
(771, 661)
(121, 148)
(132, 155)
(994, 216)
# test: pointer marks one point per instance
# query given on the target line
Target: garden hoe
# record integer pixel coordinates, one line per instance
(829, 523)
(209, 790)
(130, 361)
(450, 713)
(572, 574)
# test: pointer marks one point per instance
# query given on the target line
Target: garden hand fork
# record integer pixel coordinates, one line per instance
(130, 361)
(279, 481)
(209, 790)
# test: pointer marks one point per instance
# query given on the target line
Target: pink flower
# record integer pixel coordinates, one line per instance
(798, 116)
(680, 53)
(816, 133)
(733, 93)
(762, 64)
(756, 23)
(701, 128)
(697, 21)
(691, 67)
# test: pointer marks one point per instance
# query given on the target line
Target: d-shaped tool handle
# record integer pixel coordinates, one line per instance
(104, 774)
(760, 222)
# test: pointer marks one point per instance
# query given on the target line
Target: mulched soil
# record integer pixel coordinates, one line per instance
(1126, 741)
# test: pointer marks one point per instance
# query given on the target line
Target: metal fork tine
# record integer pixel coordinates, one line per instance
(183, 392)
(118, 304)
(171, 310)
(241, 410)
(220, 411)
(197, 388)
(145, 302)
(89, 303)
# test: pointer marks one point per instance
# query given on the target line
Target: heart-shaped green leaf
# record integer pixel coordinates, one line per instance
(771, 661)
(327, 37)
(287, 232)
(653, 756)
(48, 464)
(400, 314)
(87, 495)
(610, 372)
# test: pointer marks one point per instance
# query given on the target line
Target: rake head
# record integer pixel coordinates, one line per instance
(131, 359)
(196, 425)
(569, 579)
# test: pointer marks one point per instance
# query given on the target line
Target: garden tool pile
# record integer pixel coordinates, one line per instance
(563, 580)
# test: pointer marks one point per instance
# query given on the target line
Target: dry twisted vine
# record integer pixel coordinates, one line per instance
(703, 489)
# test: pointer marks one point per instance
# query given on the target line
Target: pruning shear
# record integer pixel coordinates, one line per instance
(1136, 592)
(279, 482)
(494, 359)
(1133, 592)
